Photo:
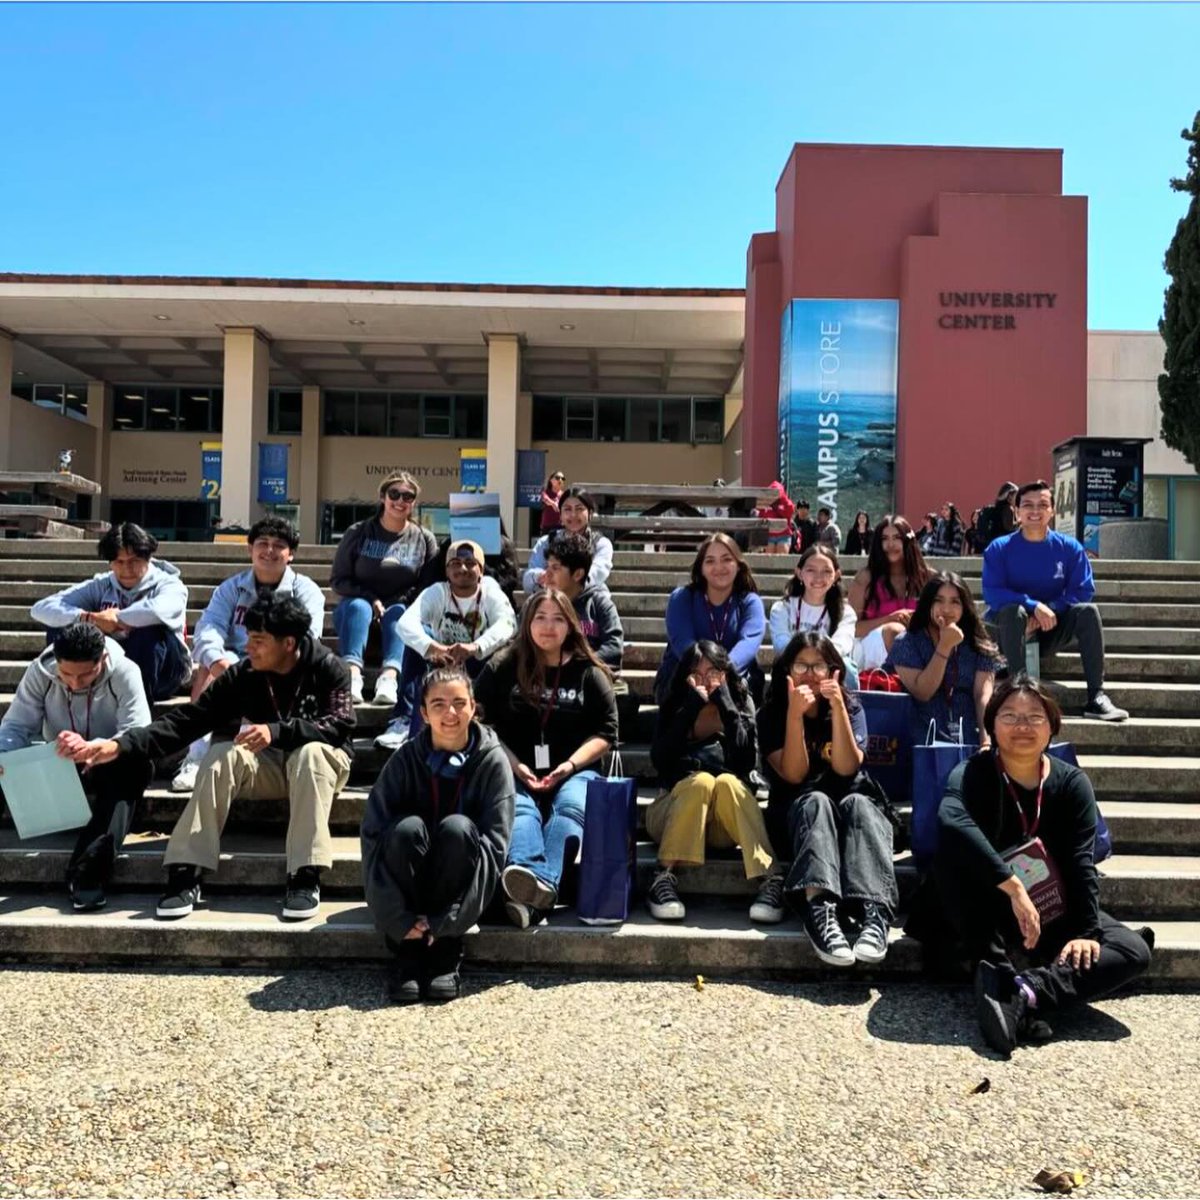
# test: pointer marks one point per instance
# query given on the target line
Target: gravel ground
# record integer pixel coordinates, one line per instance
(124, 1083)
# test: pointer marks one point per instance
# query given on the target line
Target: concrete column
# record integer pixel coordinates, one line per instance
(310, 465)
(504, 374)
(520, 534)
(247, 378)
(6, 399)
(99, 417)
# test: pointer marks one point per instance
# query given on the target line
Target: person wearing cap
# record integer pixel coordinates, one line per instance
(460, 622)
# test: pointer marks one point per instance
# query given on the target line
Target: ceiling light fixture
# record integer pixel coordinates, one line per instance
(160, 410)
(131, 396)
(356, 321)
(567, 326)
(161, 317)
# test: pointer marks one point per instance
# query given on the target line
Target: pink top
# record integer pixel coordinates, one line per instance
(882, 603)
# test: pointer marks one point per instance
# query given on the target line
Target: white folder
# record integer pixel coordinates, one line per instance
(43, 791)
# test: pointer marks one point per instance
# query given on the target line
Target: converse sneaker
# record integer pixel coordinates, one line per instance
(523, 886)
(871, 945)
(521, 915)
(768, 904)
(356, 686)
(303, 898)
(663, 898)
(1101, 708)
(386, 687)
(394, 736)
(185, 777)
(442, 961)
(183, 891)
(828, 941)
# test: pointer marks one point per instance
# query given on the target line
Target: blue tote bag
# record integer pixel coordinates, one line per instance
(932, 763)
(1103, 846)
(889, 742)
(609, 848)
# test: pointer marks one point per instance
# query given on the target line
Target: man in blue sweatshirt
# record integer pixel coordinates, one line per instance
(1038, 583)
(140, 602)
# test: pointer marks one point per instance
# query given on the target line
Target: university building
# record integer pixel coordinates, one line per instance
(191, 398)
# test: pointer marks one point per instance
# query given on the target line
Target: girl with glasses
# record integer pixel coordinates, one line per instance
(823, 807)
(377, 572)
(1016, 873)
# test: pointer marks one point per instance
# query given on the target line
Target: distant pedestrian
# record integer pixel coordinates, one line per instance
(552, 495)
(779, 520)
(805, 527)
(999, 518)
(858, 540)
(949, 533)
(927, 534)
(828, 533)
(971, 538)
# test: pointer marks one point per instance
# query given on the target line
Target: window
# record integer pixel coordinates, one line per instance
(643, 420)
(76, 401)
(405, 419)
(340, 419)
(185, 409)
(581, 419)
(676, 419)
(372, 414)
(168, 520)
(676, 422)
(285, 410)
(435, 416)
(470, 417)
(547, 418)
(708, 420)
(610, 419)
(162, 405)
(129, 408)
(404, 414)
(196, 409)
(67, 399)
(49, 395)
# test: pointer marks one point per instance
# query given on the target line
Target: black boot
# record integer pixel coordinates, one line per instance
(405, 971)
(442, 962)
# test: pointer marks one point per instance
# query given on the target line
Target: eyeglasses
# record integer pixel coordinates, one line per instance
(817, 670)
(1011, 720)
(397, 495)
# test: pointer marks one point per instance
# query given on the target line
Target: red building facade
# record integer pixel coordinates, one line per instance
(988, 260)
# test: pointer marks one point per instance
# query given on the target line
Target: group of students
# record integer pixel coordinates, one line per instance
(499, 722)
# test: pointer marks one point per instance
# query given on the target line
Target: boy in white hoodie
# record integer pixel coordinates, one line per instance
(140, 602)
(80, 691)
(460, 622)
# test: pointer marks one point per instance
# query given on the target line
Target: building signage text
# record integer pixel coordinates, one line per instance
(995, 302)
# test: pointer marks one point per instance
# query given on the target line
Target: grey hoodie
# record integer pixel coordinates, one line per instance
(159, 599)
(44, 707)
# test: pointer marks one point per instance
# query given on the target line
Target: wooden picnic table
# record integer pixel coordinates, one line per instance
(737, 501)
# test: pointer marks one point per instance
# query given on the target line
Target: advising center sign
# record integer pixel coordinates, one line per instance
(837, 405)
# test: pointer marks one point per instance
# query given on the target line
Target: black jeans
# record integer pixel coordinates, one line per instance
(433, 871)
(114, 791)
(1080, 624)
(982, 917)
(843, 847)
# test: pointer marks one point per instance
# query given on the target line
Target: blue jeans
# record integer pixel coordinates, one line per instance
(352, 620)
(543, 848)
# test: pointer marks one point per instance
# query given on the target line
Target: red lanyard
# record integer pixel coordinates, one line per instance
(87, 728)
(545, 711)
(436, 784)
(718, 634)
(1027, 830)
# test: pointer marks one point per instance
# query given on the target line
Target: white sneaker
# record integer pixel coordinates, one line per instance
(394, 736)
(386, 688)
(185, 777)
(356, 684)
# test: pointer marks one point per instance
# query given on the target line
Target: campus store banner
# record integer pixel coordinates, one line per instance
(837, 404)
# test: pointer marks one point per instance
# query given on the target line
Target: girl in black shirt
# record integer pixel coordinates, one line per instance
(1031, 960)
(551, 702)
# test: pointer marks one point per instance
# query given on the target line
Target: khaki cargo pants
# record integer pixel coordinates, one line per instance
(307, 778)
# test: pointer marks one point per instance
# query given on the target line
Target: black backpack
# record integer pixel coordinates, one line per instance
(987, 528)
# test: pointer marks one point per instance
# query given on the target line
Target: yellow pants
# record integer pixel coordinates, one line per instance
(707, 810)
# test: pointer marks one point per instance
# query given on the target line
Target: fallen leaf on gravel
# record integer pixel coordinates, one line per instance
(699, 983)
(1061, 1182)
(984, 1085)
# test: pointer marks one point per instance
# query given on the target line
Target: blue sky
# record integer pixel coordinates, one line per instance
(632, 145)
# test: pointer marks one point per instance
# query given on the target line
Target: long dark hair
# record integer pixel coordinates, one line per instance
(689, 660)
(955, 515)
(744, 580)
(862, 512)
(835, 600)
(915, 570)
(531, 671)
(777, 693)
(974, 633)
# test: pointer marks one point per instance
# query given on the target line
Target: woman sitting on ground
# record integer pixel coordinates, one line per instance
(1017, 876)
(434, 839)
(551, 702)
(823, 807)
(947, 664)
(704, 749)
(813, 602)
(885, 591)
(720, 604)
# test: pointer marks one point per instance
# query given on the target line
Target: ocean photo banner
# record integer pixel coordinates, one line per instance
(837, 405)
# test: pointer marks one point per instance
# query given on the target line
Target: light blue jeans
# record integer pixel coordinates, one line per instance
(543, 847)
(352, 620)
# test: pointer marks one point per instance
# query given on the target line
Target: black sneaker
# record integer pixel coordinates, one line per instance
(663, 898)
(404, 972)
(442, 961)
(824, 931)
(871, 945)
(183, 891)
(87, 895)
(1101, 708)
(1000, 1006)
(303, 898)
(768, 904)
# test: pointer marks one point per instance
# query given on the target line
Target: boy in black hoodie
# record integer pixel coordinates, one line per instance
(288, 710)
(568, 561)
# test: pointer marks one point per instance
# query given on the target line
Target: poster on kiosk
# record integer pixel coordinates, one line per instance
(1096, 480)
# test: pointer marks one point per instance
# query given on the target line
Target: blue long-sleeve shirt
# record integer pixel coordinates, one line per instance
(1055, 572)
(739, 625)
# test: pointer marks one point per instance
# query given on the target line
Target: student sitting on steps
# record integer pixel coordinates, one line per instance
(219, 640)
(434, 839)
(884, 593)
(704, 750)
(813, 602)
(288, 711)
(140, 602)
(76, 693)
(576, 509)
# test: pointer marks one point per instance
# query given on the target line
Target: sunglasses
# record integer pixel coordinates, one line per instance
(397, 495)
(560, 478)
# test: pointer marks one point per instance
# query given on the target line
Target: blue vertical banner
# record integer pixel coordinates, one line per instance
(472, 464)
(272, 472)
(837, 404)
(210, 470)
(531, 477)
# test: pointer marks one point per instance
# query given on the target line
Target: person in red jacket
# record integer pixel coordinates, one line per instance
(779, 515)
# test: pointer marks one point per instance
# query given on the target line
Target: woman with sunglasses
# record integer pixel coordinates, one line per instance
(551, 497)
(377, 572)
(812, 734)
(1016, 872)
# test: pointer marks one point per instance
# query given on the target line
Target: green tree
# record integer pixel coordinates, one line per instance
(1179, 384)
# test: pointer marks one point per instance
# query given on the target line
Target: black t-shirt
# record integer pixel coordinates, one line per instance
(578, 703)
